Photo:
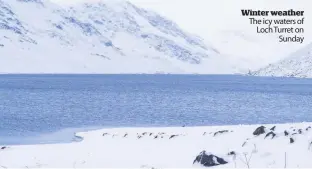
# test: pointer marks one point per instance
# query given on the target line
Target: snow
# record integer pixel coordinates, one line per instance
(98, 37)
(298, 64)
(245, 50)
(137, 148)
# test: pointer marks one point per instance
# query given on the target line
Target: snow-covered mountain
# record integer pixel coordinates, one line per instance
(38, 36)
(246, 50)
(298, 64)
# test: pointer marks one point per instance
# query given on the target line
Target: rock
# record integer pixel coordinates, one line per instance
(183, 126)
(125, 135)
(260, 130)
(273, 128)
(286, 133)
(244, 144)
(172, 136)
(156, 137)
(104, 134)
(150, 134)
(270, 133)
(300, 131)
(144, 133)
(204, 133)
(209, 160)
(222, 131)
(291, 140)
(232, 153)
(139, 137)
(4, 147)
(307, 129)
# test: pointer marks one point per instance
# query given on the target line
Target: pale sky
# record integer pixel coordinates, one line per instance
(204, 17)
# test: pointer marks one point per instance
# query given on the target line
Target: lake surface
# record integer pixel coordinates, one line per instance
(49, 108)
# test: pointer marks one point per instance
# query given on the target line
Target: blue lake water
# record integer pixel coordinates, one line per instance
(49, 108)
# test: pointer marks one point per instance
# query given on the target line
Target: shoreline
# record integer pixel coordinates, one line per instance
(75, 135)
(165, 147)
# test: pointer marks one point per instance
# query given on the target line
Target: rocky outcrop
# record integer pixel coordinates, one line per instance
(208, 160)
(260, 130)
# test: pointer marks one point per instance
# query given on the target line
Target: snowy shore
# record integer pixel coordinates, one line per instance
(285, 145)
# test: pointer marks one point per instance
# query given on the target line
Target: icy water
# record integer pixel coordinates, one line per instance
(49, 108)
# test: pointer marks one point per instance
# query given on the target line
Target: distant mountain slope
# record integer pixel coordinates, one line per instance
(298, 64)
(37, 36)
(246, 50)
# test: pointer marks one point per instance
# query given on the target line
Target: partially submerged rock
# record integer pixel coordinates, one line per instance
(260, 130)
(208, 160)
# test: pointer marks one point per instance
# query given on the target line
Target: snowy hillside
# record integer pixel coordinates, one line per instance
(298, 64)
(38, 36)
(241, 146)
(247, 50)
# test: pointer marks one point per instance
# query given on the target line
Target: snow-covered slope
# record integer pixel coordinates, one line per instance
(242, 146)
(246, 50)
(38, 36)
(298, 64)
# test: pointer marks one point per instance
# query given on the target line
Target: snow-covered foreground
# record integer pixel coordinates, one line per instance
(171, 147)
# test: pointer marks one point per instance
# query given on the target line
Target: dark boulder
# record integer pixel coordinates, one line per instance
(300, 131)
(209, 160)
(4, 147)
(286, 133)
(291, 140)
(232, 153)
(260, 130)
(172, 136)
(307, 129)
(270, 133)
(220, 132)
(273, 128)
